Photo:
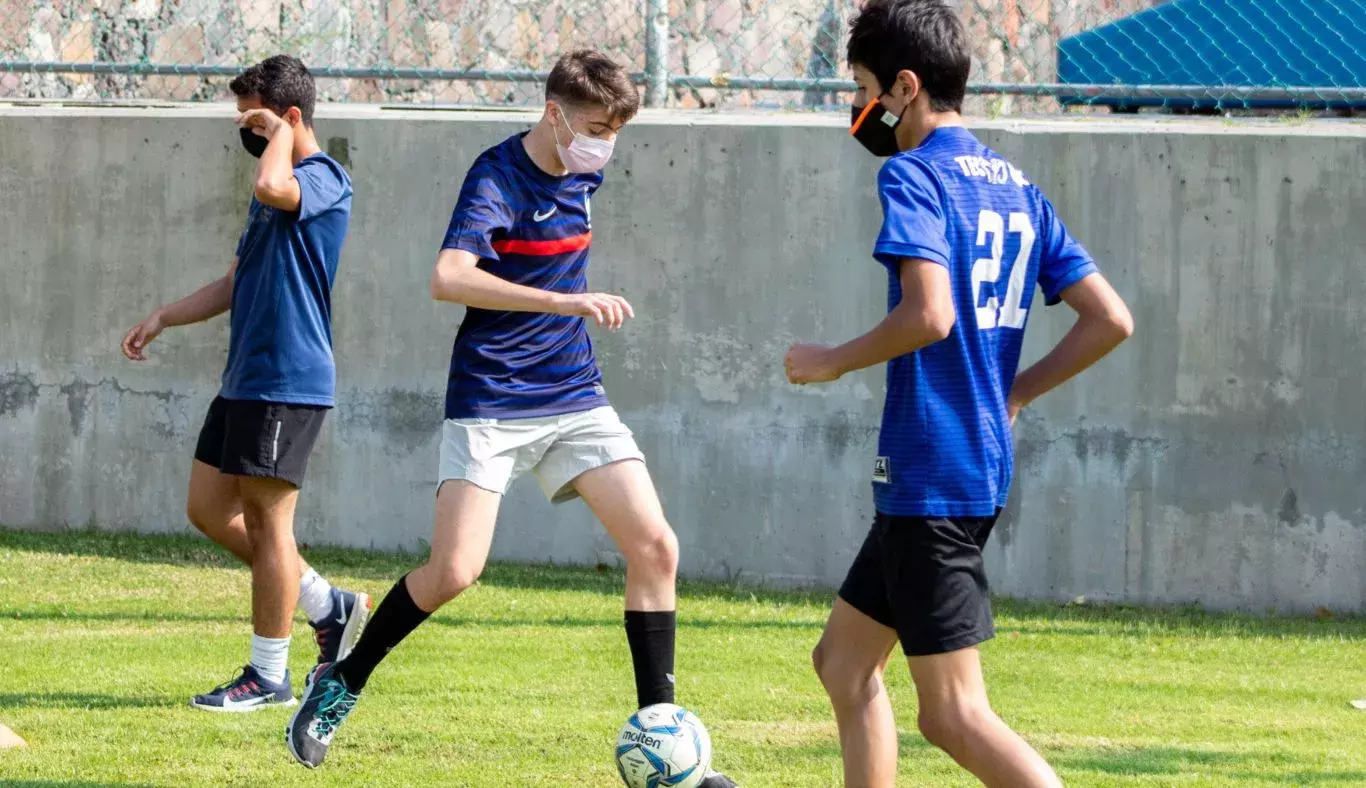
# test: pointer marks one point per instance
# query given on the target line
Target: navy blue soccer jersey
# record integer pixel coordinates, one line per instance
(280, 343)
(945, 448)
(531, 228)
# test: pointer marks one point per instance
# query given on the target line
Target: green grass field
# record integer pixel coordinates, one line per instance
(525, 680)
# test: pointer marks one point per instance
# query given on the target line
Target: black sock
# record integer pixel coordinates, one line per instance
(651, 636)
(395, 618)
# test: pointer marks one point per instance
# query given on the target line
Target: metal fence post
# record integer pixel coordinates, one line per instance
(656, 52)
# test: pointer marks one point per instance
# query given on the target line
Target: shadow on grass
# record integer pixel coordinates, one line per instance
(456, 620)
(81, 700)
(49, 614)
(829, 749)
(193, 550)
(72, 784)
(1170, 761)
(1014, 616)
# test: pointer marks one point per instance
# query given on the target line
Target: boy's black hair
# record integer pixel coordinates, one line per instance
(924, 36)
(280, 82)
(589, 78)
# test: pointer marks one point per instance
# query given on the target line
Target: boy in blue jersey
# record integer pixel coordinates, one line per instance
(524, 393)
(278, 383)
(965, 238)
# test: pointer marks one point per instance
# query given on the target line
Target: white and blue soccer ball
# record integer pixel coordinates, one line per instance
(663, 746)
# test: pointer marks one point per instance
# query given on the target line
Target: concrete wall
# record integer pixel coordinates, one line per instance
(1217, 458)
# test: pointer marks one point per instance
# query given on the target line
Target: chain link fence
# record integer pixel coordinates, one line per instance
(1029, 55)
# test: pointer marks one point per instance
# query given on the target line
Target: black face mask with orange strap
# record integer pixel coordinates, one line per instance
(875, 127)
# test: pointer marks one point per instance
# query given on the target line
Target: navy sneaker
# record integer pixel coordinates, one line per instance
(326, 704)
(716, 779)
(250, 691)
(337, 634)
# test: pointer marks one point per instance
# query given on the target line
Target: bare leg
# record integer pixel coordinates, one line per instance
(461, 539)
(215, 508)
(268, 509)
(956, 717)
(851, 659)
(623, 497)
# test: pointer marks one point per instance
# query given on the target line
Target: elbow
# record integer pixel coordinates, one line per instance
(269, 191)
(1112, 327)
(939, 323)
(445, 287)
(438, 287)
(1121, 324)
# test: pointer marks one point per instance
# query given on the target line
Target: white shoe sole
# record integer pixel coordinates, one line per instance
(360, 616)
(245, 709)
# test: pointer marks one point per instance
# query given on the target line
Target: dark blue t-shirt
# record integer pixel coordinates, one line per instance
(531, 228)
(281, 343)
(945, 448)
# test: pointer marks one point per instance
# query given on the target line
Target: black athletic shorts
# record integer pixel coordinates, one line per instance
(270, 440)
(923, 577)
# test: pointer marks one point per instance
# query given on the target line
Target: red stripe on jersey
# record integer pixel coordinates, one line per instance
(542, 248)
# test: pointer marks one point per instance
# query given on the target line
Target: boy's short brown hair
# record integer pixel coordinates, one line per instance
(280, 82)
(589, 78)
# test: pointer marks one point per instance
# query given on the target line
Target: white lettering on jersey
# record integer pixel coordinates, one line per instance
(995, 171)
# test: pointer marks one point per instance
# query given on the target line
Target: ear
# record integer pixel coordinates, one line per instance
(293, 116)
(910, 84)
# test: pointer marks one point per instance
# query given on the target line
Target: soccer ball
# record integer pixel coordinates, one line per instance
(663, 746)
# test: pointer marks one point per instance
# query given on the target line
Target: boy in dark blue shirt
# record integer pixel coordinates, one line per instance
(965, 238)
(278, 382)
(524, 393)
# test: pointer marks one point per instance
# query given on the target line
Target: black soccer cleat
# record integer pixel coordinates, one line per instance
(715, 779)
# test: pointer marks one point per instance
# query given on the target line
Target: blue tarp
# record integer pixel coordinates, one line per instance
(1282, 43)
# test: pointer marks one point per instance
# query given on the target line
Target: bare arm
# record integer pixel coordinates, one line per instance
(1103, 322)
(275, 184)
(458, 279)
(207, 302)
(924, 316)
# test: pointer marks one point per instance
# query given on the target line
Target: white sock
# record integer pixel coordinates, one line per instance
(270, 657)
(315, 596)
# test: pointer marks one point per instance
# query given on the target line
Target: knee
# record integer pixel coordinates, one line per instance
(256, 518)
(950, 726)
(200, 515)
(657, 554)
(451, 578)
(848, 680)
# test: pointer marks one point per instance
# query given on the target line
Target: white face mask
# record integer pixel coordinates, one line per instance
(584, 154)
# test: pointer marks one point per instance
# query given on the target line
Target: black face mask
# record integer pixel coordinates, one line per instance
(253, 142)
(875, 127)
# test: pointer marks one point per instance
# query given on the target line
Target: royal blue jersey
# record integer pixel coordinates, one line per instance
(531, 228)
(945, 448)
(280, 345)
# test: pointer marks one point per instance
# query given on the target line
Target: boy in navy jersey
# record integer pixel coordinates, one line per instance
(965, 238)
(278, 383)
(524, 391)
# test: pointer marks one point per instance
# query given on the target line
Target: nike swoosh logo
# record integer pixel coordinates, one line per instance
(540, 217)
(341, 617)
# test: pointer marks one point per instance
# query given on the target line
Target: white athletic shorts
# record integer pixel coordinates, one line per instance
(490, 453)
